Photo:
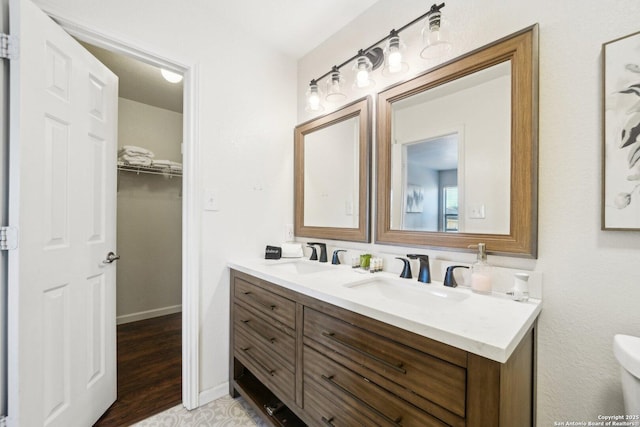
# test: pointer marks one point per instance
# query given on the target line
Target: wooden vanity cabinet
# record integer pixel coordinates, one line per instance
(334, 367)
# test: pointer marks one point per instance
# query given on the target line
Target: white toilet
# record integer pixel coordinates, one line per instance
(627, 350)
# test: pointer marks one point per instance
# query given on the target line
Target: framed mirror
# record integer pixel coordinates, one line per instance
(457, 152)
(331, 168)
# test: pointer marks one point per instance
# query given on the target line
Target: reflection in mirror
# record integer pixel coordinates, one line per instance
(433, 133)
(457, 152)
(331, 180)
(332, 166)
(426, 178)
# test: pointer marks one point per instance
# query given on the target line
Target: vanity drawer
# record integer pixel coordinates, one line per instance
(263, 365)
(271, 333)
(429, 377)
(266, 302)
(324, 412)
(361, 394)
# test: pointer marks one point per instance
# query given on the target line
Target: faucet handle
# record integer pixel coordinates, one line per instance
(449, 278)
(323, 250)
(406, 270)
(335, 259)
(314, 253)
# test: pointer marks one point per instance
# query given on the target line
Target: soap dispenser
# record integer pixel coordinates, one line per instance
(481, 271)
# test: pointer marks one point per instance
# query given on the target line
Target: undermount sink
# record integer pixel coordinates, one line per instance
(413, 293)
(299, 267)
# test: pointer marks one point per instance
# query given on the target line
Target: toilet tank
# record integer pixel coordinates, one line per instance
(626, 348)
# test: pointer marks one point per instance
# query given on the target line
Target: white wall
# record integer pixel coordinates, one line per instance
(149, 217)
(246, 118)
(591, 279)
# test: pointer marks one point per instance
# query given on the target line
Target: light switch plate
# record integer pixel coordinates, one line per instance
(211, 200)
(476, 212)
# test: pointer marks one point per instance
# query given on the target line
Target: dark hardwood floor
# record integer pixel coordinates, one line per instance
(149, 370)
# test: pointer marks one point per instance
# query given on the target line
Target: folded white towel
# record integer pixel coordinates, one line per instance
(167, 164)
(136, 160)
(134, 150)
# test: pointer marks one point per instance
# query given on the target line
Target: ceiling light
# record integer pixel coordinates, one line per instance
(170, 76)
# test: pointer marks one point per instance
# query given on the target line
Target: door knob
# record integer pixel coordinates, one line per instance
(110, 258)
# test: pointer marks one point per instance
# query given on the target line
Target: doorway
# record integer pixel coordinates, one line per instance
(149, 236)
(190, 191)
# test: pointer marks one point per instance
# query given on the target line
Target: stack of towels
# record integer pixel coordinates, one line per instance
(138, 156)
(135, 156)
(167, 165)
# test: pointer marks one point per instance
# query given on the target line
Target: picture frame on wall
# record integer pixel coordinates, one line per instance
(621, 133)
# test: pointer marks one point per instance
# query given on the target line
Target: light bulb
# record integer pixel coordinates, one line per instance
(362, 69)
(393, 56)
(314, 101)
(362, 78)
(313, 98)
(335, 82)
(395, 62)
(170, 76)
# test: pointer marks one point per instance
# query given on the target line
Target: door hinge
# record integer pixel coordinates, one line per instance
(8, 238)
(8, 46)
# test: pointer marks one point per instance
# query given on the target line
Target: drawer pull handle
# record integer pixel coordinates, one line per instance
(272, 340)
(329, 379)
(395, 366)
(267, 306)
(271, 372)
(328, 421)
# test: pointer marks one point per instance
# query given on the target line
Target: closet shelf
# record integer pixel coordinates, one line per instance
(151, 170)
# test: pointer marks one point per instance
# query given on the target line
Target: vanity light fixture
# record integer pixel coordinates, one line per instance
(335, 83)
(314, 103)
(435, 41)
(362, 69)
(170, 76)
(393, 55)
(435, 34)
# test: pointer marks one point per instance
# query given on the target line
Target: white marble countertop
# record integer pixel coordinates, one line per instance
(487, 325)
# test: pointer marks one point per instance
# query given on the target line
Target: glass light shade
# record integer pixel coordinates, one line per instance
(393, 63)
(314, 98)
(170, 76)
(335, 83)
(362, 70)
(435, 37)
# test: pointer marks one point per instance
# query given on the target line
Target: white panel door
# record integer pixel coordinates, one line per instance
(63, 130)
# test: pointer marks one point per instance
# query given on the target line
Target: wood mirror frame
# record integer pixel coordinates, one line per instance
(521, 49)
(362, 110)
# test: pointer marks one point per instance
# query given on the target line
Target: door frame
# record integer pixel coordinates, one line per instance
(190, 189)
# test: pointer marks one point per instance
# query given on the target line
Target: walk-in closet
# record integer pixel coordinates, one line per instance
(149, 240)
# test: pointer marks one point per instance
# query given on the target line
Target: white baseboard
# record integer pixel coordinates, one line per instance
(211, 394)
(149, 314)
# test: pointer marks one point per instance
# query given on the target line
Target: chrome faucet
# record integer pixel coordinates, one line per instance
(424, 275)
(323, 250)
